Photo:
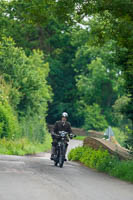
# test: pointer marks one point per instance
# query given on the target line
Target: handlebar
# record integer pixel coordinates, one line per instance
(71, 135)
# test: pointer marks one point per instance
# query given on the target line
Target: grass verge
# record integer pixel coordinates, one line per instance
(80, 137)
(103, 161)
(24, 146)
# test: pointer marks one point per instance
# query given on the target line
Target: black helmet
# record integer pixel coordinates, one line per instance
(64, 114)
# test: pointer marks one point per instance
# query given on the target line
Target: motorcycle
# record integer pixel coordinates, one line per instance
(61, 148)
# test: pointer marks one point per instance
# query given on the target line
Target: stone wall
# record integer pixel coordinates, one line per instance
(114, 149)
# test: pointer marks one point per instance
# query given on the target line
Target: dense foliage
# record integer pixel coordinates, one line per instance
(83, 50)
(24, 93)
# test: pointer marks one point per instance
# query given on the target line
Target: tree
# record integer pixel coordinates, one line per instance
(52, 27)
(99, 78)
(27, 75)
(114, 20)
(29, 92)
(54, 39)
(94, 120)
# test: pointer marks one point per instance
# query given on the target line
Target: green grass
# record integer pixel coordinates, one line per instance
(80, 137)
(24, 146)
(123, 170)
(103, 161)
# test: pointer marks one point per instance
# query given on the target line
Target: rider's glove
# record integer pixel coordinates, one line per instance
(71, 136)
(54, 135)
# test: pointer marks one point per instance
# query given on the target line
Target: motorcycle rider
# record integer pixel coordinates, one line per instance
(62, 125)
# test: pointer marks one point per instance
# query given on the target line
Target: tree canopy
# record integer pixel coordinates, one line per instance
(79, 50)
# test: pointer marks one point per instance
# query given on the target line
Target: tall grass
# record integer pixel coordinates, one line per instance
(24, 146)
(33, 128)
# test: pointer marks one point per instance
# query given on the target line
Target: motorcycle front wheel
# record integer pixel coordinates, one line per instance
(56, 160)
(61, 156)
(61, 161)
(55, 163)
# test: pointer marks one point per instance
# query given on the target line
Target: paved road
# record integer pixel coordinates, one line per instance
(35, 178)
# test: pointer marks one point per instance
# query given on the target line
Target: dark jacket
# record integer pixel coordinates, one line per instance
(62, 126)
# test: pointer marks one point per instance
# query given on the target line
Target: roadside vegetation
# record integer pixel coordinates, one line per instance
(103, 162)
(58, 56)
(24, 146)
(24, 97)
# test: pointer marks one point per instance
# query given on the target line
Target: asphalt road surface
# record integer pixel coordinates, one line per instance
(36, 178)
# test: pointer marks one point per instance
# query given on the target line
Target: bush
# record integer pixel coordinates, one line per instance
(103, 161)
(123, 170)
(100, 159)
(8, 122)
(76, 154)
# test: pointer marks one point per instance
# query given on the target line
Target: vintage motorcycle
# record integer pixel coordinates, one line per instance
(61, 148)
